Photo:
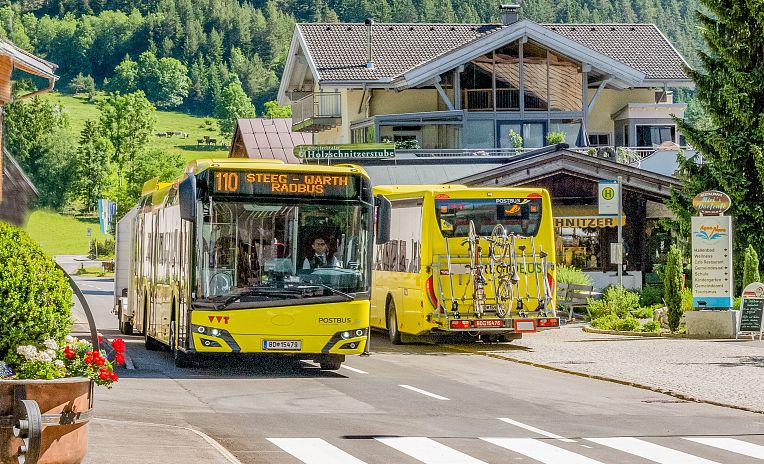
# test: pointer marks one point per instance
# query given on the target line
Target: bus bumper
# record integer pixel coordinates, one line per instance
(509, 325)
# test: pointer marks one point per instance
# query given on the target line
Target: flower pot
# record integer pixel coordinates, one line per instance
(65, 406)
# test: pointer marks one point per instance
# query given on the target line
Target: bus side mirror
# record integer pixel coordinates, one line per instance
(384, 217)
(187, 198)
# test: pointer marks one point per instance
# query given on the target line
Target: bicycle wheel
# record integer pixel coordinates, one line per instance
(504, 297)
(499, 243)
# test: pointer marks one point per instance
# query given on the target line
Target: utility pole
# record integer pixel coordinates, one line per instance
(620, 231)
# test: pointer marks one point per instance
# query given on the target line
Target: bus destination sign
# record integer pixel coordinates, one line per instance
(341, 186)
(345, 151)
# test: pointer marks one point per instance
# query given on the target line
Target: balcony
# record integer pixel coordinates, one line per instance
(482, 99)
(316, 112)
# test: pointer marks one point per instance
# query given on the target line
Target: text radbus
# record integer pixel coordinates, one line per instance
(250, 256)
(478, 261)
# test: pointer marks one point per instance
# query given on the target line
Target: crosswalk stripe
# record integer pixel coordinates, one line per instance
(731, 444)
(651, 451)
(540, 451)
(314, 451)
(535, 430)
(428, 451)
(424, 392)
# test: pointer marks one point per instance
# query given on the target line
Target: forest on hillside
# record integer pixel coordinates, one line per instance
(184, 53)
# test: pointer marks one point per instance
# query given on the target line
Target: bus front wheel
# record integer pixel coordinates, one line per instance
(392, 324)
(331, 363)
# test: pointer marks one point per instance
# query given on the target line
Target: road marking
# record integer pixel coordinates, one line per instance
(540, 451)
(535, 430)
(731, 444)
(428, 451)
(314, 451)
(437, 397)
(651, 451)
(354, 369)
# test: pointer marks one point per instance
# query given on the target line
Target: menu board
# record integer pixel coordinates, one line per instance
(751, 311)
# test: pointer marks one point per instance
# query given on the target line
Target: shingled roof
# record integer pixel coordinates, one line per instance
(338, 51)
(641, 46)
(268, 139)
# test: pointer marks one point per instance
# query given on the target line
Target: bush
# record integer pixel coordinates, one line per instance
(687, 300)
(650, 296)
(615, 300)
(673, 286)
(606, 322)
(105, 248)
(553, 138)
(571, 275)
(750, 266)
(645, 312)
(651, 326)
(35, 297)
(628, 324)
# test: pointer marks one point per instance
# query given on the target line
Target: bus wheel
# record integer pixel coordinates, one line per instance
(331, 363)
(392, 324)
(182, 359)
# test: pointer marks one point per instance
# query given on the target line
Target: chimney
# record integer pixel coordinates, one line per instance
(509, 14)
(370, 59)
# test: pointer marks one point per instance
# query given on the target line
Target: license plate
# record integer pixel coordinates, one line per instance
(489, 323)
(292, 345)
(524, 325)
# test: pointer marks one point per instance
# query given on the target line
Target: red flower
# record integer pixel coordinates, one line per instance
(100, 361)
(89, 357)
(119, 345)
(119, 358)
(100, 339)
(113, 376)
(69, 352)
(104, 374)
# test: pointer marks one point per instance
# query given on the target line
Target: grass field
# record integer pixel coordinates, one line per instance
(79, 110)
(62, 235)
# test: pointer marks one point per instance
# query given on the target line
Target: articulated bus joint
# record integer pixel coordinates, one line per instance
(212, 337)
(350, 339)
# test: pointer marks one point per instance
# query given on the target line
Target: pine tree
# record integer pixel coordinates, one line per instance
(673, 287)
(730, 88)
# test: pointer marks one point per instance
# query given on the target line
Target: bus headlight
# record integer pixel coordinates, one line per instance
(215, 332)
(346, 334)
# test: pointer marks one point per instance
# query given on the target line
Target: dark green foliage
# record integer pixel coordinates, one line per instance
(730, 90)
(35, 135)
(92, 166)
(35, 298)
(650, 296)
(673, 287)
(750, 266)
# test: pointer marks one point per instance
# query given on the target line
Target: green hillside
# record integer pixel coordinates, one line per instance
(80, 110)
(62, 235)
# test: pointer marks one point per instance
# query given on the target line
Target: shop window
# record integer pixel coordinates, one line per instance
(578, 247)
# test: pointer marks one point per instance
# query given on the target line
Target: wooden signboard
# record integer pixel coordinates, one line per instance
(752, 310)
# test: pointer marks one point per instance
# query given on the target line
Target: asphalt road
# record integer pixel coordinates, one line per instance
(403, 404)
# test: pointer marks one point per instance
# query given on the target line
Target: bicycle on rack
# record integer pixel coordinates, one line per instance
(506, 277)
(476, 271)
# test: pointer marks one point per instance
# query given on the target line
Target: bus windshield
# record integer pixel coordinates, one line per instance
(262, 251)
(519, 216)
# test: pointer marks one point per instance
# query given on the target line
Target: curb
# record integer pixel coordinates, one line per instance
(675, 394)
(590, 329)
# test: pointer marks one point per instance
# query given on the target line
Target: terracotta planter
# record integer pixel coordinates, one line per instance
(65, 405)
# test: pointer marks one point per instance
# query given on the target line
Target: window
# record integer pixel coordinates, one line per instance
(565, 84)
(531, 132)
(535, 77)
(570, 127)
(647, 136)
(507, 68)
(599, 140)
(578, 247)
(362, 135)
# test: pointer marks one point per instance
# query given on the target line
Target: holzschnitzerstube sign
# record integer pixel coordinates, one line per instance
(345, 151)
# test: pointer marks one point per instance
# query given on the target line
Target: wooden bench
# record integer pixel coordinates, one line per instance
(573, 296)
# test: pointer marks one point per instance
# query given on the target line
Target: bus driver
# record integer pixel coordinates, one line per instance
(321, 256)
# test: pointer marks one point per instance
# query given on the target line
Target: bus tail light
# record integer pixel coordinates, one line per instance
(460, 324)
(550, 281)
(548, 322)
(430, 287)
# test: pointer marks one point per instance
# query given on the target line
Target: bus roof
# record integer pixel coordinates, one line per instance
(200, 165)
(418, 189)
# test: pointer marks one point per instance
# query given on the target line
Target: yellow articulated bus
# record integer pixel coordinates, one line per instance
(251, 256)
(478, 261)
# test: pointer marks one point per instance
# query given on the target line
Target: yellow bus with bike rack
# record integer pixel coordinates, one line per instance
(477, 261)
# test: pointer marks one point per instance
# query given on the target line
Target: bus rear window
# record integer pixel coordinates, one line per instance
(519, 216)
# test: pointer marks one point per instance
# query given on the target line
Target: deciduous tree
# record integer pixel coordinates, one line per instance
(127, 121)
(232, 105)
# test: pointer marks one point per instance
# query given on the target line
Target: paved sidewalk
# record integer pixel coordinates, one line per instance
(729, 372)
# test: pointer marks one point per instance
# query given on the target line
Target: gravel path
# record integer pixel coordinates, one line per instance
(720, 371)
